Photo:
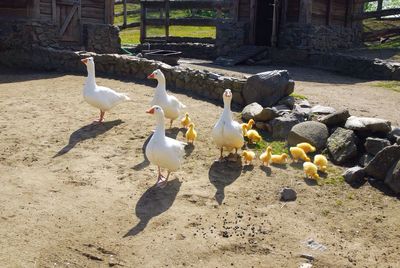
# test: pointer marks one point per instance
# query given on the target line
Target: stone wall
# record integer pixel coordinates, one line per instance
(230, 36)
(194, 82)
(345, 64)
(101, 38)
(318, 37)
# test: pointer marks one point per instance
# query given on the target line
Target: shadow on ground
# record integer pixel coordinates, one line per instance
(152, 203)
(222, 174)
(87, 132)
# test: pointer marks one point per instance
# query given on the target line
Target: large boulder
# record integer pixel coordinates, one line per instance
(367, 124)
(365, 159)
(342, 145)
(338, 118)
(302, 111)
(251, 110)
(268, 88)
(282, 125)
(267, 114)
(374, 145)
(393, 178)
(382, 162)
(288, 101)
(312, 132)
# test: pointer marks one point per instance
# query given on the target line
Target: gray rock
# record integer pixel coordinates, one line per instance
(338, 118)
(268, 88)
(365, 159)
(282, 125)
(382, 162)
(395, 131)
(301, 111)
(367, 124)
(354, 175)
(251, 110)
(261, 125)
(394, 135)
(288, 194)
(267, 114)
(288, 101)
(312, 132)
(304, 104)
(393, 178)
(374, 145)
(342, 145)
(319, 109)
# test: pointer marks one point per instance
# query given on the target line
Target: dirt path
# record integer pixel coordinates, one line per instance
(76, 195)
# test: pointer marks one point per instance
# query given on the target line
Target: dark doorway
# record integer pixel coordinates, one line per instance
(264, 22)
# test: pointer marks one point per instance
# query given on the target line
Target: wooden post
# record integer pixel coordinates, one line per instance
(284, 5)
(347, 15)
(274, 24)
(379, 8)
(329, 12)
(166, 20)
(125, 13)
(53, 12)
(142, 22)
(109, 11)
(253, 15)
(235, 11)
(305, 12)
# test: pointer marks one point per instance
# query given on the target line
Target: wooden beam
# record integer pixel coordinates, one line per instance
(166, 19)
(284, 4)
(54, 11)
(305, 12)
(68, 19)
(235, 9)
(125, 13)
(142, 22)
(329, 12)
(379, 8)
(183, 22)
(253, 18)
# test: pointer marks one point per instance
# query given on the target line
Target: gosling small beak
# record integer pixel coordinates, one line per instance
(151, 76)
(84, 61)
(150, 111)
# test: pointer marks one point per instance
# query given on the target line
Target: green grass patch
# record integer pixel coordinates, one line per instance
(298, 96)
(278, 147)
(392, 43)
(132, 35)
(391, 85)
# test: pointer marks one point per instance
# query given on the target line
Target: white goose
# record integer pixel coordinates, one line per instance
(171, 105)
(227, 132)
(103, 98)
(163, 151)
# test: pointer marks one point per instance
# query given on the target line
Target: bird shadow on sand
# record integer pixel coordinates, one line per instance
(189, 149)
(296, 165)
(267, 170)
(152, 203)
(247, 168)
(145, 161)
(172, 132)
(222, 174)
(90, 131)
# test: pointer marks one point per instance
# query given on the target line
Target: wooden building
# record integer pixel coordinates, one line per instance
(64, 21)
(269, 20)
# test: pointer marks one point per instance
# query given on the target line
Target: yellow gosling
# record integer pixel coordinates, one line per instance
(248, 156)
(266, 156)
(279, 159)
(185, 122)
(191, 134)
(310, 170)
(298, 153)
(307, 148)
(321, 162)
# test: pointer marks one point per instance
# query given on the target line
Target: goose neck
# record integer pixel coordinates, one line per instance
(160, 127)
(91, 78)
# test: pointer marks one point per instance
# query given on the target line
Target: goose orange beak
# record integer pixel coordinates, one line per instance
(151, 76)
(84, 61)
(150, 111)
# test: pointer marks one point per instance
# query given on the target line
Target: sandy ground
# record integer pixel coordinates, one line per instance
(78, 195)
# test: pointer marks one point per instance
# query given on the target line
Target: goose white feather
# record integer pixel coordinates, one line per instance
(161, 150)
(103, 98)
(227, 133)
(171, 106)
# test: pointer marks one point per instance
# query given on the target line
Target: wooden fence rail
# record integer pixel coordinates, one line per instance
(167, 5)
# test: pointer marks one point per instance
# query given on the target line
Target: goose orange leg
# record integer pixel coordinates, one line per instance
(101, 119)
